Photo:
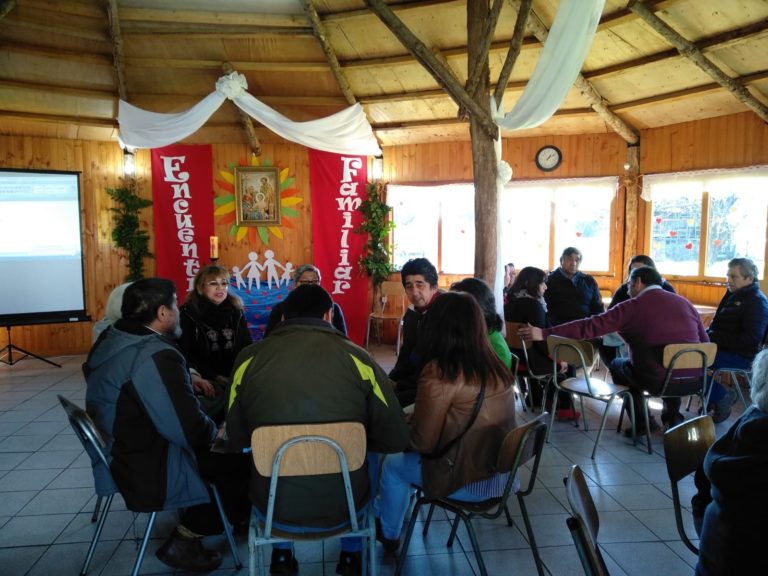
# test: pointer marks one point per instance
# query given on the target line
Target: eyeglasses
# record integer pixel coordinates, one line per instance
(218, 283)
(307, 282)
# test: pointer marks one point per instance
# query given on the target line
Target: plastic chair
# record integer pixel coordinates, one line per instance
(581, 354)
(685, 447)
(520, 446)
(679, 357)
(390, 292)
(95, 446)
(309, 450)
(524, 370)
(584, 523)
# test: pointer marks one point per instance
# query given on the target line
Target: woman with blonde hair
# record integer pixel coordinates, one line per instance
(213, 331)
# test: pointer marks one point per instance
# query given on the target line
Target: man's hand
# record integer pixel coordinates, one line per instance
(202, 386)
(530, 333)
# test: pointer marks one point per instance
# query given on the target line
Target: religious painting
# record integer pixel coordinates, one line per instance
(257, 195)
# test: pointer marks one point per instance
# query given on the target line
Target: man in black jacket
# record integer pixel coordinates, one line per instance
(419, 279)
(571, 294)
(738, 328)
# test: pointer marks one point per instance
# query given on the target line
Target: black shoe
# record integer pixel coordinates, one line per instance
(187, 553)
(723, 407)
(349, 564)
(673, 420)
(283, 562)
(390, 545)
(641, 428)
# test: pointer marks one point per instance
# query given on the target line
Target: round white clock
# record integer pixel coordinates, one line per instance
(548, 158)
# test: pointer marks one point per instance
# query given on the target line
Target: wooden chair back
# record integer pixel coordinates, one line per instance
(521, 445)
(308, 458)
(689, 355)
(585, 523)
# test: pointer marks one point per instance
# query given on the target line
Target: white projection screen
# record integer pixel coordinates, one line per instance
(41, 248)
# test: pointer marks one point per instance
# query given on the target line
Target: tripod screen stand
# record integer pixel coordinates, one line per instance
(6, 354)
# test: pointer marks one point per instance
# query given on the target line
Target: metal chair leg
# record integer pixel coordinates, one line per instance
(531, 538)
(144, 542)
(96, 510)
(407, 541)
(428, 520)
(227, 527)
(454, 528)
(97, 534)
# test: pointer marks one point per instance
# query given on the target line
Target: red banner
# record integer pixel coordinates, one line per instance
(182, 192)
(338, 187)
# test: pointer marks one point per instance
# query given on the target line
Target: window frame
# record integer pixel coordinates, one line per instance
(700, 277)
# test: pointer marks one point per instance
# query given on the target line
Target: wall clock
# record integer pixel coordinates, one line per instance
(548, 158)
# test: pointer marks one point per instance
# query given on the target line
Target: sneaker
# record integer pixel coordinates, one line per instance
(567, 415)
(723, 407)
(187, 553)
(390, 545)
(283, 562)
(349, 564)
(641, 428)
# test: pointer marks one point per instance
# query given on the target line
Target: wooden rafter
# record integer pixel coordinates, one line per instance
(597, 102)
(514, 50)
(245, 120)
(489, 29)
(690, 51)
(117, 48)
(330, 54)
(444, 76)
(6, 6)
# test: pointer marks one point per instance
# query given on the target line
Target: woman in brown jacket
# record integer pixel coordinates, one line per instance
(464, 409)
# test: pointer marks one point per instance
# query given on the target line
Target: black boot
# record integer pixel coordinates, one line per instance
(188, 553)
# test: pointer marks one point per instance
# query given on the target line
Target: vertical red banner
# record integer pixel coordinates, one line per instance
(182, 193)
(338, 184)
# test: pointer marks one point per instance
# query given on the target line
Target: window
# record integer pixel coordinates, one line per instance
(435, 222)
(541, 219)
(699, 221)
(537, 221)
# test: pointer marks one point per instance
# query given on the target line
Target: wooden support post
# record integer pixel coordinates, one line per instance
(631, 199)
(245, 120)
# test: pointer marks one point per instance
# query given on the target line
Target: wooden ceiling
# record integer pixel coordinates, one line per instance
(64, 64)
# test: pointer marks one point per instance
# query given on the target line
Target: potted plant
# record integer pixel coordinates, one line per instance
(376, 259)
(127, 233)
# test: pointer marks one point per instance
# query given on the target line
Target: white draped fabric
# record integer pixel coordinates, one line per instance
(346, 132)
(561, 59)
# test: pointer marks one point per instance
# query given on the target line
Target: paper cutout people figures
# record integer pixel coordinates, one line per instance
(254, 269)
(271, 265)
(286, 277)
(238, 274)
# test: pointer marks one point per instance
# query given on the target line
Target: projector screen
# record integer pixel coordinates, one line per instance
(41, 249)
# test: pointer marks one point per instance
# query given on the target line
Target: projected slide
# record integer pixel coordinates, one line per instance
(40, 248)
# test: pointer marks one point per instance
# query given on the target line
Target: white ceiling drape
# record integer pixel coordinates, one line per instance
(346, 132)
(558, 67)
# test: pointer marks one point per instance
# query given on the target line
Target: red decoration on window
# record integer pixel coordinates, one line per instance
(689, 246)
(717, 242)
(672, 233)
(578, 234)
(658, 219)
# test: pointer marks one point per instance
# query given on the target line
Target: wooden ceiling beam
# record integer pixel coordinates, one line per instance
(212, 17)
(117, 48)
(6, 6)
(690, 51)
(8, 47)
(514, 50)
(489, 29)
(240, 66)
(622, 128)
(245, 119)
(441, 73)
(330, 55)
(59, 118)
(205, 30)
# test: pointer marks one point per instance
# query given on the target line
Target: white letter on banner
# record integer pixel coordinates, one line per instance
(189, 250)
(180, 206)
(172, 167)
(340, 285)
(181, 190)
(348, 189)
(350, 167)
(348, 204)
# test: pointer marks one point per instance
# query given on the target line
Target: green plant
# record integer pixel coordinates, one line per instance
(376, 259)
(127, 233)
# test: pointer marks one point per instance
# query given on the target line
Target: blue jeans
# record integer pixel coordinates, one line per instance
(348, 544)
(400, 473)
(725, 359)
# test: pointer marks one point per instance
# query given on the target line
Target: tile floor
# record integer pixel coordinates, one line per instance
(46, 500)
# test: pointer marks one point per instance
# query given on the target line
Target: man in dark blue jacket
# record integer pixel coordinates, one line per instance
(139, 394)
(738, 328)
(571, 294)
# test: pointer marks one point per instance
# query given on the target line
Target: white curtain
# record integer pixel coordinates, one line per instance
(346, 132)
(558, 67)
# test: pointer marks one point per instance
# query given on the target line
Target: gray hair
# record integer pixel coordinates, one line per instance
(759, 389)
(747, 268)
(306, 268)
